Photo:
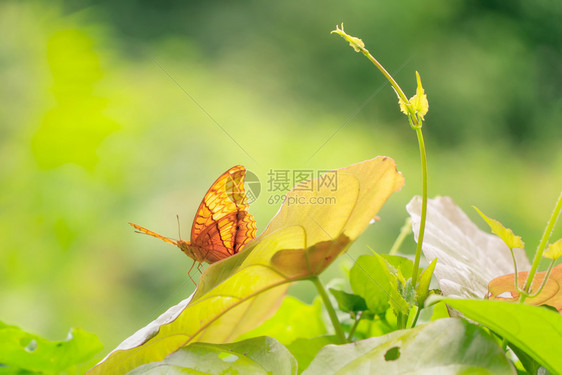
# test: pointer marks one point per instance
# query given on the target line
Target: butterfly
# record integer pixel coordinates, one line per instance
(222, 224)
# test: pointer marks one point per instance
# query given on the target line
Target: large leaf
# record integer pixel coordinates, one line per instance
(503, 288)
(26, 351)
(304, 350)
(237, 294)
(261, 355)
(446, 346)
(371, 279)
(535, 330)
(293, 320)
(467, 257)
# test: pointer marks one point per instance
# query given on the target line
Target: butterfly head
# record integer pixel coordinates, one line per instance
(189, 250)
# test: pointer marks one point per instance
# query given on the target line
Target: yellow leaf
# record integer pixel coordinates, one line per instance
(402, 105)
(503, 288)
(554, 250)
(506, 234)
(237, 294)
(356, 43)
(418, 102)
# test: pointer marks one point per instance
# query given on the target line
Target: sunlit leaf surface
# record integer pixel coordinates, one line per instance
(20, 350)
(535, 330)
(262, 355)
(293, 320)
(240, 292)
(503, 288)
(446, 346)
(371, 279)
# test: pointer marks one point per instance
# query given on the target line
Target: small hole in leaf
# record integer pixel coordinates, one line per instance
(505, 295)
(31, 346)
(392, 354)
(228, 357)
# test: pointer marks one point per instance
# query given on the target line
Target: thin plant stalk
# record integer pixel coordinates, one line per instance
(340, 334)
(423, 157)
(404, 231)
(542, 245)
(416, 124)
(354, 327)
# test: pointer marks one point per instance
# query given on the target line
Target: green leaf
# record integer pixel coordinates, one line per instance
(418, 102)
(399, 263)
(26, 351)
(440, 311)
(422, 290)
(349, 302)
(237, 294)
(554, 250)
(304, 350)
(261, 355)
(293, 320)
(535, 330)
(446, 346)
(528, 363)
(356, 43)
(506, 234)
(371, 279)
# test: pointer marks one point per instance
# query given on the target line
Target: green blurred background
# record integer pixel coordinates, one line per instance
(97, 128)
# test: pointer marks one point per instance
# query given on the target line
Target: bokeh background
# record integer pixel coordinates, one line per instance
(128, 110)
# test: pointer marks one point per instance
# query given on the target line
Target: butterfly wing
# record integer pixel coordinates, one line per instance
(223, 225)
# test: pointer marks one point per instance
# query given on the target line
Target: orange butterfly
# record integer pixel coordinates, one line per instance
(222, 224)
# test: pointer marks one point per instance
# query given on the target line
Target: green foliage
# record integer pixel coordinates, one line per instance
(22, 352)
(422, 290)
(533, 330)
(349, 302)
(305, 350)
(371, 279)
(293, 320)
(262, 355)
(447, 346)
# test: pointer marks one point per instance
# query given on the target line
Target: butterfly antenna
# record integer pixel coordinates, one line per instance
(179, 229)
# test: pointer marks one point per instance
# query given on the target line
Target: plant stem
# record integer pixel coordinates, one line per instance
(415, 320)
(390, 79)
(404, 231)
(542, 245)
(416, 124)
(354, 327)
(543, 284)
(424, 206)
(331, 312)
(516, 274)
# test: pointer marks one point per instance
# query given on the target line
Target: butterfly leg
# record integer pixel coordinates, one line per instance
(189, 273)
